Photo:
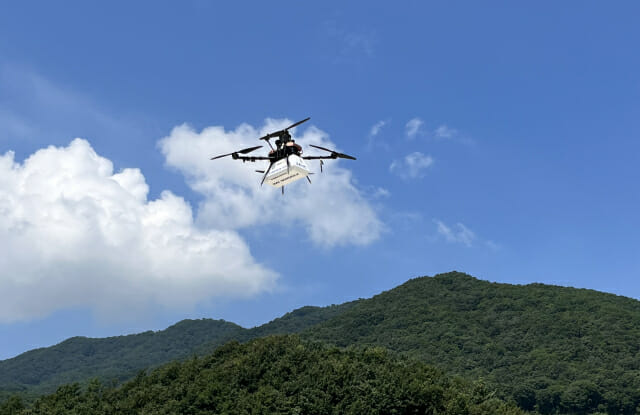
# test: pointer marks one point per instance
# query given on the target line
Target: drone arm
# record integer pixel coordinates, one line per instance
(269, 142)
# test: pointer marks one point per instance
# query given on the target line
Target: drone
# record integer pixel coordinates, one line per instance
(286, 162)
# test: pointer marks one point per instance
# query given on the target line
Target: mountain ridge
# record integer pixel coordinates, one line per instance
(117, 358)
(548, 348)
(278, 375)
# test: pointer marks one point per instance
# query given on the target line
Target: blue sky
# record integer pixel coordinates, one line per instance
(498, 139)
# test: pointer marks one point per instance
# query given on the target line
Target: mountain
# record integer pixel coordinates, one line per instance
(279, 375)
(112, 358)
(119, 358)
(548, 348)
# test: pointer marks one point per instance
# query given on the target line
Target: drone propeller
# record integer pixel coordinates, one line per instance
(335, 154)
(283, 131)
(243, 151)
(297, 123)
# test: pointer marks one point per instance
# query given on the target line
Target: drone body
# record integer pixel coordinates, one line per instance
(287, 171)
(286, 162)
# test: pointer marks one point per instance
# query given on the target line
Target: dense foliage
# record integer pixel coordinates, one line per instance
(298, 320)
(112, 358)
(119, 358)
(278, 375)
(548, 348)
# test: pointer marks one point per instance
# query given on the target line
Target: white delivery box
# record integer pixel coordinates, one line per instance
(281, 174)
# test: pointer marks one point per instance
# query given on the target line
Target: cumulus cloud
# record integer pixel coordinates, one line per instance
(413, 127)
(456, 234)
(75, 233)
(412, 166)
(332, 211)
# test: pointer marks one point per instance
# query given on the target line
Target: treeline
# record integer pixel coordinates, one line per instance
(278, 375)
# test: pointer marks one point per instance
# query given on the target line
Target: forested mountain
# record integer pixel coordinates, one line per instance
(120, 358)
(112, 358)
(279, 375)
(548, 348)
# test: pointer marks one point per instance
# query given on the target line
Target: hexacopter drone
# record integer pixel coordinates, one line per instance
(286, 162)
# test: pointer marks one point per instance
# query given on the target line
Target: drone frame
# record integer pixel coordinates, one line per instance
(283, 151)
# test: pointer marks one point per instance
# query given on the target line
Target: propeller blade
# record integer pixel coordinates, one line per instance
(224, 155)
(321, 164)
(281, 132)
(297, 124)
(243, 151)
(345, 156)
(309, 179)
(335, 153)
(248, 150)
(322, 148)
(268, 136)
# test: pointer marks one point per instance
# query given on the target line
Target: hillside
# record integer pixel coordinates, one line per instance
(112, 358)
(120, 358)
(279, 375)
(547, 347)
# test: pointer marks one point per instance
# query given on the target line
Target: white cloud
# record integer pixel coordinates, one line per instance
(373, 133)
(332, 211)
(412, 166)
(74, 233)
(444, 132)
(375, 129)
(456, 234)
(413, 127)
(381, 192)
